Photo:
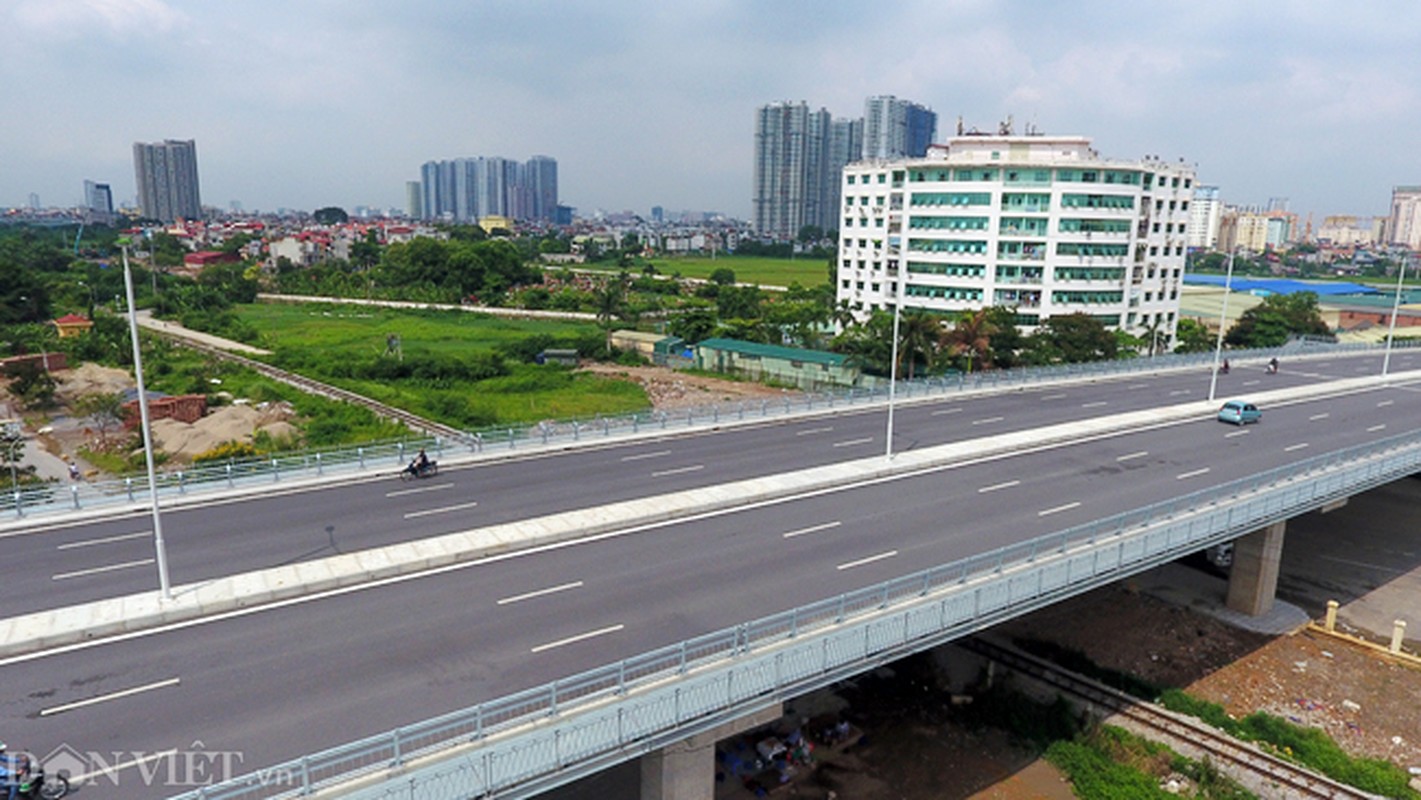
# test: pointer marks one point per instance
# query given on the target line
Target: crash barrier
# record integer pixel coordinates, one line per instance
(520, 745)
(53, 498)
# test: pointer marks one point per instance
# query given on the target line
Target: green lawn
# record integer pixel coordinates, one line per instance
(749, 269)
(359, 331)
(318, 340)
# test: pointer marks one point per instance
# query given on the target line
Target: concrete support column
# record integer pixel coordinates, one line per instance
(1253, 578)
(685, 770)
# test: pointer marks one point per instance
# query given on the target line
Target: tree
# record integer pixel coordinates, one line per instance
(694, 326)
(1192, 336)
(32, 384)
(103, 410)
(610, 300)
(810, 234)
(1270, 323)
(1074, 339)
(739, 302)
(330, 215)
(971, 336)
(918, 335)
(1005, 342)
(868, 345)
(723, 276)
(1156, 338)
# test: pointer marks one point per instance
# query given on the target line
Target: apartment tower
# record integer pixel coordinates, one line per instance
(1041, 224)
(166, 174)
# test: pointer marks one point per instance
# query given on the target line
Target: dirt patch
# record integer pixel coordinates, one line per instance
(668, 389)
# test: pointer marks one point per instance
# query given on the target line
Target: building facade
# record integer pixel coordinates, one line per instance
(1040, 224)
(98, 202)
(1404, 224)
(465, 189)
(1205, 212)
(894, 128)
(166, 174)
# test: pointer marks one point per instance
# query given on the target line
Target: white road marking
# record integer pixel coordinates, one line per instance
(663, 473)
(869, 560)
(1239, 432)
(1290, 448)
(106, 697)
(517, 598)
(1178, 392)
(1376, 428)
(809, 431)
(1057, 509)
(110, 770)
(1132, 456)
(994, 487)
(987, 421)
(1190, 474)
(853, 442)
(1138, 386)
(941, 412)
(1323, 415)
(123, 537)
(1094, 404)
(1252, 382)
(640, 456)
(97, 570)
(1385, 403)
(1362, 369)
(434, 488)
(811, 529)
(442, 510)
(1052, 397)
(578, 638)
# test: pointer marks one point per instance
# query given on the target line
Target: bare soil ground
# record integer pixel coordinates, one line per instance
(670, 389)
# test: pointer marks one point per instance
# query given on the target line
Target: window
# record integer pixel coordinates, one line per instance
(1089, 176)
(1097, 201)
(947, 246)
(1075, 225)
(954, 270)
(1092, 250)
(882, 178)
(948, 223)
(1026, 201)
(1022, 226)
(951, 199)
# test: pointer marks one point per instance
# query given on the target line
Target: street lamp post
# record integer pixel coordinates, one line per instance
(1223, 314)
(1395, 307)
(893, 366)
(161, 550)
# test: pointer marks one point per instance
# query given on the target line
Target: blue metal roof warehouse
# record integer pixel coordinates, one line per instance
(1267, 286)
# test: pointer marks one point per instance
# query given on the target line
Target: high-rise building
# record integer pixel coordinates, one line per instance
(1404, 225)
(791, 171)
(1041, 224)
(1204, 213)
(166, 174)
(466, 189)
(894, 128)
(98, 202)
(414, 201)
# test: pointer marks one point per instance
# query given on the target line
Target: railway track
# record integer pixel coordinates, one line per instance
(413, 421)
(1275, 777)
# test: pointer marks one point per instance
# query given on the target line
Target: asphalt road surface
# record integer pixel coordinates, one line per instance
(54, 565)
(283, 680)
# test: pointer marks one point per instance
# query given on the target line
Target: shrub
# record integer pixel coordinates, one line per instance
(227, 451)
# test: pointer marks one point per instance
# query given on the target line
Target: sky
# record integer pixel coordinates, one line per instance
(308, 103)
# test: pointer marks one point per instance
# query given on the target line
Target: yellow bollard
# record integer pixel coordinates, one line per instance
(1398, 632)
(1330, 624)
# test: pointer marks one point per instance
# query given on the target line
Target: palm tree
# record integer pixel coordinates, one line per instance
(970, 335)
(918, 335)
(611, 303)
(1155, 336)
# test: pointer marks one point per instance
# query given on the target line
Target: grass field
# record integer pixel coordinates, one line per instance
(313, 340)
(749, 269)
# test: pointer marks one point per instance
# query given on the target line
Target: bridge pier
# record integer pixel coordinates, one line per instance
(1253, 578)
(685, 770)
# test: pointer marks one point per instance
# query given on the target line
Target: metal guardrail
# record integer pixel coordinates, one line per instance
(616, 711)
(55, 498)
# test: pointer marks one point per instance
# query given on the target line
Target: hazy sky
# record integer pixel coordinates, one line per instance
(304, 103)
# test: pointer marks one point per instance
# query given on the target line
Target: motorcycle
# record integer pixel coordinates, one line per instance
(35, 785)
(427, 470)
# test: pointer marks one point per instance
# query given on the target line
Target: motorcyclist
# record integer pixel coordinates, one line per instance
(12, 772)
(1273, 364)
(1225, 368)
(420, 463)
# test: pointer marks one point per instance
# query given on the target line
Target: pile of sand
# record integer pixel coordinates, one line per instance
(90, 378)
(234, 423)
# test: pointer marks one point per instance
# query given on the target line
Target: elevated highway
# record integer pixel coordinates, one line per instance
(276, 681)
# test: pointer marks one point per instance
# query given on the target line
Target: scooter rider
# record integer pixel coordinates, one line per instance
(12, 772)
(420, 463)
(1273, 364)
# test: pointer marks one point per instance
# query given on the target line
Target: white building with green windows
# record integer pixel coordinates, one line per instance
(1039, 223)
